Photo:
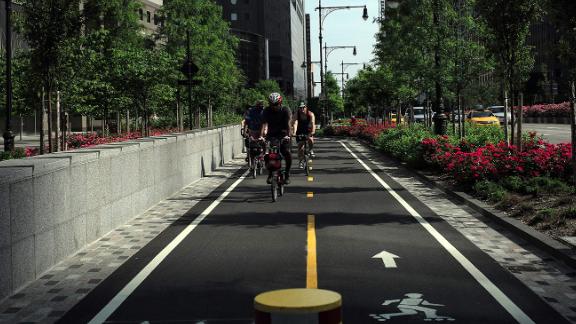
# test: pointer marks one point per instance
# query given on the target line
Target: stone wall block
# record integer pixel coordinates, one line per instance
(61, 195)
(94, 188)
(45, 251)
(80, 231)
(4, 216)
(64, 238)
(77, 187)
(5, 272)
(23, 264)
(146, 168)
(22, 217)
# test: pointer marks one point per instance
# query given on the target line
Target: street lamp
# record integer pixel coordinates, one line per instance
(327, 51)
(322, 13)
(8, 135)
(344, 66)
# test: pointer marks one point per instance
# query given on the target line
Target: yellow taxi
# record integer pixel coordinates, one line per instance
(394, 119)
(482, 118)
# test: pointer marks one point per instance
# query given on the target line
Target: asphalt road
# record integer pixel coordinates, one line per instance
(554, 133)
(229, 249)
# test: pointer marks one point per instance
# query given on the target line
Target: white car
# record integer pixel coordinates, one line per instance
(498, 111)
(419, 116)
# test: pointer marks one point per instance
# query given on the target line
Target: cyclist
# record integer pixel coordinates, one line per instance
(252, 123)
(276, 125)
(304, 122)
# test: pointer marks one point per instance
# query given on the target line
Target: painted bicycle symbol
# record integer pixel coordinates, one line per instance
(412, 304)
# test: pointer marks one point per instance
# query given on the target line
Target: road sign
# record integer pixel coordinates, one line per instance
(189, 68)
(185, 82)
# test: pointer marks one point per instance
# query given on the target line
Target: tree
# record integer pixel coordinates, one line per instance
(563, 13)
(334, 101)
(260, 91)
(213, 49)
(47, 25)
(509, 22)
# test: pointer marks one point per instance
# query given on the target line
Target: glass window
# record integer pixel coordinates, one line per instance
(481, 114)
(234, 16)
(141, 13)
(148, 16)
(246, 16)
(155, 19)
(233, 2)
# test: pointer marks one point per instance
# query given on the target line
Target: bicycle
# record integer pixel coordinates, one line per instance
(273, 161)
(305, 157)
(255, 156)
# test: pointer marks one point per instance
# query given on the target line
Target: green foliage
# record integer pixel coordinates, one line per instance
(17, 153)
(513, 183)
(335, 104)
(261, 91)
(508, 22)
(482, 135)
(489, 190)
(213, 49)
(545, 185)
(568, 213)
(404, 143)
(562, 13)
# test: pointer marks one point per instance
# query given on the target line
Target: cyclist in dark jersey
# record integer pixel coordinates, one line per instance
(276, 125)
(252, 123)
(305, 124)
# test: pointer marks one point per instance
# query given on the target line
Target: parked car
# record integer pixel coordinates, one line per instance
(498, 111)
(482, 118)
(419, 114)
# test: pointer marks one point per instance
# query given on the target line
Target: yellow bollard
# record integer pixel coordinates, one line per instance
(298, 306)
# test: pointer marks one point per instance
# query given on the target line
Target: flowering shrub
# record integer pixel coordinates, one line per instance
(91, 139)
(551, 110)
(493, 162)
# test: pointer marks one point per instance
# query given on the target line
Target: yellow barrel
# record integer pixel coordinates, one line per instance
(298, 306)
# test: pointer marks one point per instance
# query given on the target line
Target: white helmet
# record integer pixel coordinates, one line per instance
(275, 98)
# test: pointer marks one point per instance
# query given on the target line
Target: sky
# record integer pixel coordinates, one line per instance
(344, 28)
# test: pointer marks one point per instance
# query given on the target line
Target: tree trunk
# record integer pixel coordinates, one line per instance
(520, 114)
(58, 121)
(506, 136)
(50, 120)
(573, 129)
(127, 121)
(42, 121)
(512, 117)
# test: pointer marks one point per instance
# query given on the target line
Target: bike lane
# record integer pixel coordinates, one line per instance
(392, 266)
(246, 245)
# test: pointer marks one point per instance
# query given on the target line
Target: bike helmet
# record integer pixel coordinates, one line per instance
(275, 98)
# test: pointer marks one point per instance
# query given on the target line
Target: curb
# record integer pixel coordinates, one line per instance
(560, 251)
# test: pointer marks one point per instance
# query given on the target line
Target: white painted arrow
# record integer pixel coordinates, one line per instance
(387, 258)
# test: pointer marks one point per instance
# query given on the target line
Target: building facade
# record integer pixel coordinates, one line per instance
(148, 15)
(272, 41)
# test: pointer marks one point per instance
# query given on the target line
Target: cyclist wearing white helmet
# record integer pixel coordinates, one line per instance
(276, 125)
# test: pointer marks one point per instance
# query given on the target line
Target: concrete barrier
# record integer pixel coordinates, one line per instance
(53, 205)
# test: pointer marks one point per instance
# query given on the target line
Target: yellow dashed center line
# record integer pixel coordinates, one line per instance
(311, 266)
(309, 194)
(310, 179)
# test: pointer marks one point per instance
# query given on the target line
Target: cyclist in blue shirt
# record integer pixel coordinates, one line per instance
(252, 123)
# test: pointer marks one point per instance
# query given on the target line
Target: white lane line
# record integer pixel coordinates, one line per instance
(145, 272)
(492, 289)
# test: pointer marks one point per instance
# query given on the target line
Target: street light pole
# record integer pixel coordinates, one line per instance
(344, 66)
(8, 135)
(322, 103)
(327, 51)
(439, 118)
(322, 13)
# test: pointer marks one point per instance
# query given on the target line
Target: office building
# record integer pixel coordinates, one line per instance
(272, 41)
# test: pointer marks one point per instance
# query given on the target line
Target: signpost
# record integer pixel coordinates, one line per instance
(189, 69)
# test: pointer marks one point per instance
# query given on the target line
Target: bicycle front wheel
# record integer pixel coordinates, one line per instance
(274, 188)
